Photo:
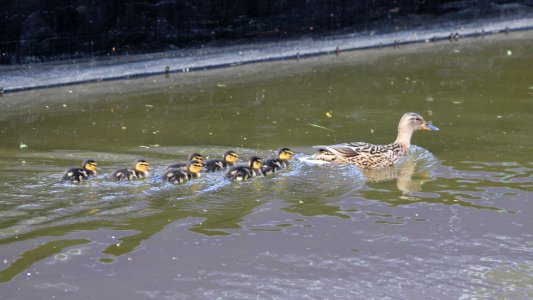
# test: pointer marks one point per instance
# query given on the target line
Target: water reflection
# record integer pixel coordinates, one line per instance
(404, 175)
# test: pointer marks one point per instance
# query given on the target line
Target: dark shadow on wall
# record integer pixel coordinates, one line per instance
(36, 30)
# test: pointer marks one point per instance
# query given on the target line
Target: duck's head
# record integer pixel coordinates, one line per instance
(141, 165)
(231, 157)
(255, 163)
(195, 166)
(196, 156)
(412, 122)
(90, 165)
(285, 154)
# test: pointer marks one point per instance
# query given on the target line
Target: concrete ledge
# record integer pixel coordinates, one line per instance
(16, 78)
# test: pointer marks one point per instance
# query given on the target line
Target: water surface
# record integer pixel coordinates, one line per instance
(452, 221)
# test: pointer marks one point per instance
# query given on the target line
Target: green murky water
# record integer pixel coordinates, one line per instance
(453, 221)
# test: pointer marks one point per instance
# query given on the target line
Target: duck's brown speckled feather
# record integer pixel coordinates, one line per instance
(363, 155)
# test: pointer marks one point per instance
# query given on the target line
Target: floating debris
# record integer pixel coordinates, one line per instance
(454, 36)
(23, 146)
(329, 114)
(61, 257)
(319, 126)
(74, 252)
(149, 146)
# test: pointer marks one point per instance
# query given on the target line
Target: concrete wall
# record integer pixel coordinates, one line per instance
(40, 30)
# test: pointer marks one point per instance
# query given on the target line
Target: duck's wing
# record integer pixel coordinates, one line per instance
(123, 174)
(274, 164)
(363, 155)
(175, 176)
(346, 150)
(75, 175)
(215, 165)
(239, 173)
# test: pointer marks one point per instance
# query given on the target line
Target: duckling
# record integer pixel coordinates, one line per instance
(272, 165)
(76, 175)
(242, 173)
(177, 175)
(139, 171)
(229, 160)
(183, 166)
(369, 156)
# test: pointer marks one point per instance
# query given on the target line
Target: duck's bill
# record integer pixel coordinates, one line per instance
(431, 127)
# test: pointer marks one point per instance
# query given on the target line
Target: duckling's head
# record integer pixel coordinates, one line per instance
(90, 165)
(285, 154)
(255, 163)
(195, 166)
(196, 156)
(412, 122)
(141, 165)
(231, 157)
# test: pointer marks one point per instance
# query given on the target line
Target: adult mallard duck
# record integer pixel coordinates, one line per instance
(272, 165)
(75, 175)
(139, 171)
(369, 156)
(242, 173)
(229, 159)
(183, 166)
(178, 175)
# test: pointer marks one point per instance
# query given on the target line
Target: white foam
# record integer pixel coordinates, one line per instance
(309, 160)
